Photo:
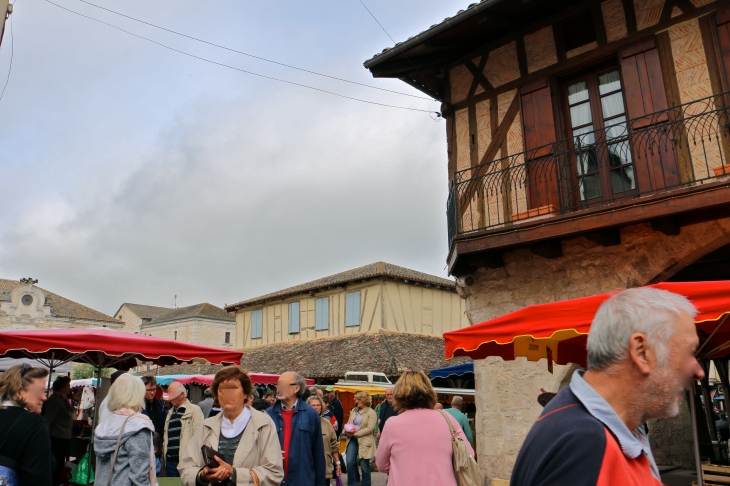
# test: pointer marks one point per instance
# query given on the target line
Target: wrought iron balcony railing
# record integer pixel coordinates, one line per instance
(683, 146)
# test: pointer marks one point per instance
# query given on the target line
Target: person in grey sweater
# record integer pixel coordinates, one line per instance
(134, 464)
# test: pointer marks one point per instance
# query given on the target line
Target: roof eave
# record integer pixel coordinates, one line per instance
(424, 36)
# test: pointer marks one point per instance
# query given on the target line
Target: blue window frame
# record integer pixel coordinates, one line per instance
(352, 309)
(294, 318)
(322, 314)
(257, 324)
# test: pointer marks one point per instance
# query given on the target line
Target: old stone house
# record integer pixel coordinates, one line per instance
(587, 152)
(24, 305)
(375, 297)
(134, 315)
(200, 324)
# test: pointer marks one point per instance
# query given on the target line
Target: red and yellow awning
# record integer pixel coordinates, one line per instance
(561, 328)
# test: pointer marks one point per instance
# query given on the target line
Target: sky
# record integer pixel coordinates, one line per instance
(133, 173)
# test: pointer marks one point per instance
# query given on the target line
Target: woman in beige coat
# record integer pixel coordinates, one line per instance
(245, 437)
(360, 443)
(329, 437)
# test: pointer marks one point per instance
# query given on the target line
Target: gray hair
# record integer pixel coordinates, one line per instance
(255, 393)
(126, 392)
(298, 380)
(457, 401)
(651, 312)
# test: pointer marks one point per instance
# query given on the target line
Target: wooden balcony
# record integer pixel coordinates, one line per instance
(669, 168)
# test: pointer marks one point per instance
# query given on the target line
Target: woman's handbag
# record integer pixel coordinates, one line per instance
(466, 470)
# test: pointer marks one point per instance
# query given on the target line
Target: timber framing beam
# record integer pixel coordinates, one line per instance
(711, 197)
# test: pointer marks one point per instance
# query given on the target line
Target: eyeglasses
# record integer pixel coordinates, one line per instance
(284, 384)
(25, 369)
(150, 389)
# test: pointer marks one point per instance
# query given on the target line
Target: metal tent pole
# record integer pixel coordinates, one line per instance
(95, 422)
(50, 374)
(693, 416)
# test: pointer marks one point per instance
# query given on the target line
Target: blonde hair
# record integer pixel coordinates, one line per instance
(413, 390)
(365, 397)
(14, 380)
(126, 392)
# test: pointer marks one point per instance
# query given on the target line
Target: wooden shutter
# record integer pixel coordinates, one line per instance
(722, 17)
(293, 317)
(538, 124)
(656, 166)
(643, 82)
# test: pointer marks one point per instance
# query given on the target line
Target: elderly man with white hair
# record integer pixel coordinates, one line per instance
(182, 422)
(641, 359)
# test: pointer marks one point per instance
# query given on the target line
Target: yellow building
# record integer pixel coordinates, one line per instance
(375, 297)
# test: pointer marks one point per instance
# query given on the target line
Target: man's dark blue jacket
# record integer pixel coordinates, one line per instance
(158, 414)
(306, 450)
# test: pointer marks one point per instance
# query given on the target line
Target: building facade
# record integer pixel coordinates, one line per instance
(24, 306)
(134, 315)
(199, 324)
(380, 296)
(587, 152)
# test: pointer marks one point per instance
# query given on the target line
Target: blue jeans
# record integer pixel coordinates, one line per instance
(352, 463)
(171, 469)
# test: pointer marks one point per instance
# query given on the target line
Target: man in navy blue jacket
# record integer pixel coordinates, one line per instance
(300, 433)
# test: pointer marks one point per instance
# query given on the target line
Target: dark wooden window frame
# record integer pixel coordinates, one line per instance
(590, 74)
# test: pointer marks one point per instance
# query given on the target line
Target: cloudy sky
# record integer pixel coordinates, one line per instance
(132, 173)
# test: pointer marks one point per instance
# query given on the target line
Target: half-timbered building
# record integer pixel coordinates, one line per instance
(588, 151)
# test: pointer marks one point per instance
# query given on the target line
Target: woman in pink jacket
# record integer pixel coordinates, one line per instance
(417, 436)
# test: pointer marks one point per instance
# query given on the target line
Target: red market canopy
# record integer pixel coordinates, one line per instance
(106, 349)
(561, 328)
(256, 378)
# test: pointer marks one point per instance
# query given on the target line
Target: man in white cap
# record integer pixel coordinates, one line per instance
(182, 422)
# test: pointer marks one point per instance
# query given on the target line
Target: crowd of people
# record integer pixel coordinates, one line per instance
(289, 437)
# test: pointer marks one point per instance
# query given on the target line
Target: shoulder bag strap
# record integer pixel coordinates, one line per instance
(116, 450)
(451, 426)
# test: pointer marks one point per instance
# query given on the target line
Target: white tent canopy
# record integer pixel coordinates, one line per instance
(7, 363)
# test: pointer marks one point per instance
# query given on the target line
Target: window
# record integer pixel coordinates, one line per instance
(597, 121)
(293, 317)
(226, 338)
(257, 324)
(322, 314)
(174, 335)
(352, 309)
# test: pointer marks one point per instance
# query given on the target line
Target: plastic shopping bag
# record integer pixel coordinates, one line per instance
(338, 481)
(83, 473)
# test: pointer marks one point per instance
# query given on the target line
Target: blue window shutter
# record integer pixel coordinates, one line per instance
(257, 324)
(352, 309)
(322, 314)
(294, 318)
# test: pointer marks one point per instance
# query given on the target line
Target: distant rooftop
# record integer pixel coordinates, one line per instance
(61, 306)
(205, 310)
(374, 270)
(146, 311)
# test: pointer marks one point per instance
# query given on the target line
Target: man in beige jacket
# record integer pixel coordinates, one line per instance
(183, 420)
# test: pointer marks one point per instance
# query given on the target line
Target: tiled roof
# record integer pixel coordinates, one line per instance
(205, 310)
(62, 307)
(378, 269)
(385, 351)
(145, 311)
(435, 28)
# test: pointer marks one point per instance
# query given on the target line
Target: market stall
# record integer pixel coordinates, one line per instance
(104, 348)
(535, 333)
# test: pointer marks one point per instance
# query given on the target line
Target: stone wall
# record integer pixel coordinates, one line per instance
(506, 391)
(671, 439)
